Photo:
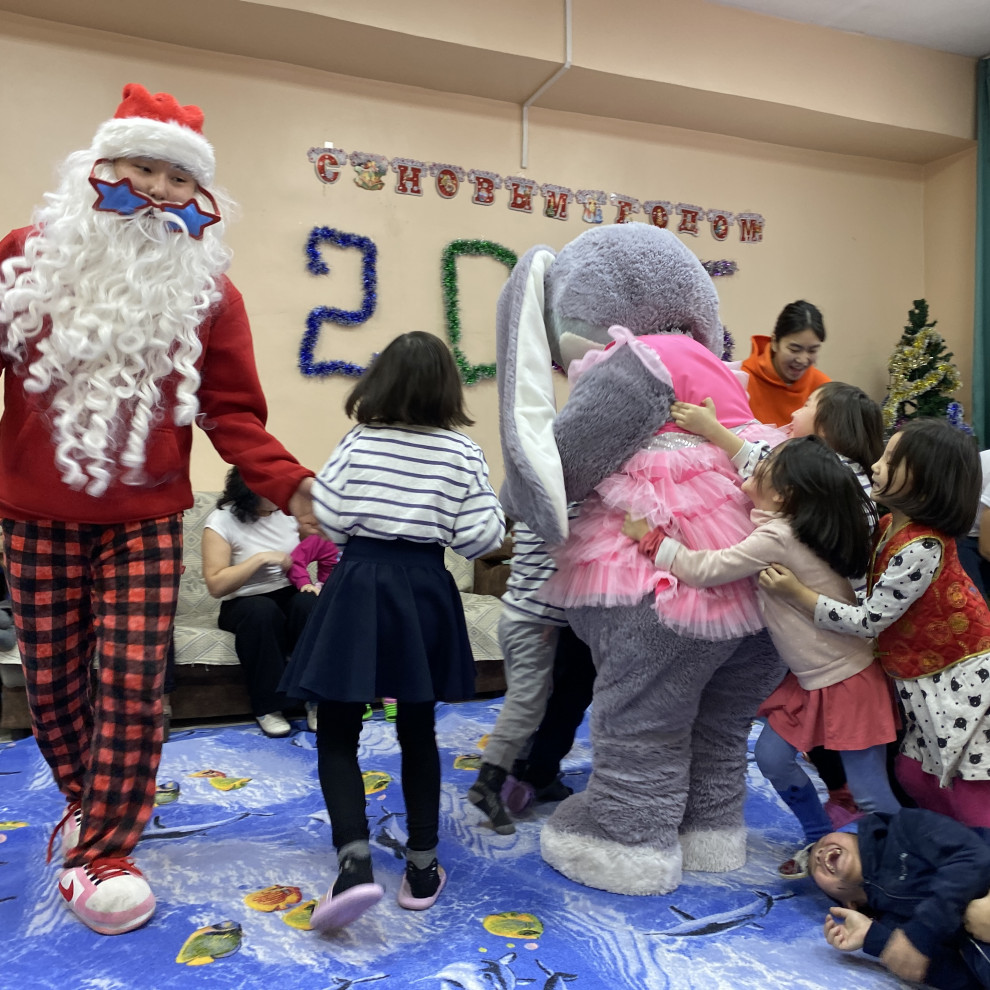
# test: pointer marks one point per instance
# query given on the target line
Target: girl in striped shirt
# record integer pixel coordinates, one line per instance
(402, 485)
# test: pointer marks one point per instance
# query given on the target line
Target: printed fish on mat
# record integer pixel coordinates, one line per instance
(166, 793)
(299, 916)
(9, 826)
(273, 898)
(725, 920)
(343, 983)
(556, 981)
(383, 834)
(229, 783)
(156, 830)
(467, 761)
(481, 975)
(375, 781)
(513, 924)
(210, 943)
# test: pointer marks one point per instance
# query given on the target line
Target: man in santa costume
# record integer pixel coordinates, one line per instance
(118, 330)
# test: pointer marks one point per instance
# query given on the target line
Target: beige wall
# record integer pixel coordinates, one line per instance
(860, 237)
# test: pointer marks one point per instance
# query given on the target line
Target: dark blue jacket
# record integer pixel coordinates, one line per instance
(920, 870)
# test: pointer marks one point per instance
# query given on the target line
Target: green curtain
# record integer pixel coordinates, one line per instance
(981, 323)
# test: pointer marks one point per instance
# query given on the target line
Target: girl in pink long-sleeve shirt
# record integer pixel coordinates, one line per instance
(810, 514)
(312, 548)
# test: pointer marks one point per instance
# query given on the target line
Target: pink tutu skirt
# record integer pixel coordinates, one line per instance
(856, 713)
(693, 494)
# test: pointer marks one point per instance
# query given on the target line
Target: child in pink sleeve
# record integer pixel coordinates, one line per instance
(317, 548)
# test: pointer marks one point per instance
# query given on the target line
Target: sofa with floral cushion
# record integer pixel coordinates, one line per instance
(208, 680)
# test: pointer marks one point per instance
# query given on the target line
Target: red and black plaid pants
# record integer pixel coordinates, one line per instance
(85, 591)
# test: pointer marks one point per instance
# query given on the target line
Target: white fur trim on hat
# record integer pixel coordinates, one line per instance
(142, 137)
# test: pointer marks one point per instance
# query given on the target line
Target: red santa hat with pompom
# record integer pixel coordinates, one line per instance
(156, 125)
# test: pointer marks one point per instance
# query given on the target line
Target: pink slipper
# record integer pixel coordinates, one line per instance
(335, 912)
(517, 795)
(410, 903)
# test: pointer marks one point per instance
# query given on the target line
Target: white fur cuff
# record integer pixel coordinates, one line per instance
(714, 850)
(611, 866)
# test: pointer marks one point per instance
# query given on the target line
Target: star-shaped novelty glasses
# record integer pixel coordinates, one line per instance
(120, 197)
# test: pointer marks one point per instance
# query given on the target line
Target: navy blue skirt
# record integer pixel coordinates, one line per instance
(388, 624)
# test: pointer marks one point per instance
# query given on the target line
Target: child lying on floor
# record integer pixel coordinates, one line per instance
(905, 881)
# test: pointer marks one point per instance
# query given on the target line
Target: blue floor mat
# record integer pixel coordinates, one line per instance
(240, 847)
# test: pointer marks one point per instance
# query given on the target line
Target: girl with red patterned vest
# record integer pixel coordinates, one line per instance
(932, 627)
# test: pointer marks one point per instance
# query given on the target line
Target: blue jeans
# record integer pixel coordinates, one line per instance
(866, 770)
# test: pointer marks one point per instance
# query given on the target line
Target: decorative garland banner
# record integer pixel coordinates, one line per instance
(370, 171)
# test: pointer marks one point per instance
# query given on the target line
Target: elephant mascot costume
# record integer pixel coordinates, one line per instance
(632, 315)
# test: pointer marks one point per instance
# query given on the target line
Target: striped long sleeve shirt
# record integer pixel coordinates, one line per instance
(530, 568)
(415, 483)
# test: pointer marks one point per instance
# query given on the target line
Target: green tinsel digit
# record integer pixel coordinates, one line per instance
(471, 374)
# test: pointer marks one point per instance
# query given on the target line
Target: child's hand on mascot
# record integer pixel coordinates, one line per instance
(701, 420)
(635, 529)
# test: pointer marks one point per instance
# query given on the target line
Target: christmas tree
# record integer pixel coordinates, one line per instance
(922, 375)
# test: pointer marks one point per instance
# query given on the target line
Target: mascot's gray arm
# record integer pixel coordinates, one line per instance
(612, 411)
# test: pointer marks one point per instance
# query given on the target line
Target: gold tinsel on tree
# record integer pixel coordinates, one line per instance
(922, 375)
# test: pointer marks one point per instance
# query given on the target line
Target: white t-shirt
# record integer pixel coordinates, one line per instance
(275, 532)
(985, 495)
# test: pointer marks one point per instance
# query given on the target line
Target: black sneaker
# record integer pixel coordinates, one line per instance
(556, 790)
(423, 882)
(353, 870)
(421, 887)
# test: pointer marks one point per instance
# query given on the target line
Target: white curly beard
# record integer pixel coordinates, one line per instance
(99, 311)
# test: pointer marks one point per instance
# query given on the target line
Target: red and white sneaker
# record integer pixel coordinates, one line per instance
(108, 895)
(67, 830)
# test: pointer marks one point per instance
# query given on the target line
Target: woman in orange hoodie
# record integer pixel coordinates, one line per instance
(781, 369)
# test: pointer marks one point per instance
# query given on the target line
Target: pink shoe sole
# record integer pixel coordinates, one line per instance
(406, 900)
(336, 912)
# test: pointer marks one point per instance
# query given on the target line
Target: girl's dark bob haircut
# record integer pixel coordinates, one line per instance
(415, 382)
(798, 316)
(242, 501)
(850, 422)
(943, 476)
(825, 504)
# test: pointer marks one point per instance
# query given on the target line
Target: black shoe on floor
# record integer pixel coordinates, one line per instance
(353, 870)
(423, 883)
(420, 889)
(556, 790)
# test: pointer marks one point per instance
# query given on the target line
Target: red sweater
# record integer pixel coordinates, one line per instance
(232, 412)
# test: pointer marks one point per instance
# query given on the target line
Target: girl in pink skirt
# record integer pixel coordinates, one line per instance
(812, 516)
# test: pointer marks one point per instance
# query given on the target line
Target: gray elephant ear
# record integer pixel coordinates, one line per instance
(534, 478)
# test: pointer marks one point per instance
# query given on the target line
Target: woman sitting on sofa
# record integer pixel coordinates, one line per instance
(247, 543)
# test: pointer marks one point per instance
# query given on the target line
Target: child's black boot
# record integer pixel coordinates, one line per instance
(486, 794)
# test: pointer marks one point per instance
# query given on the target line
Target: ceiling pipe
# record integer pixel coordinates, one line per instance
(567, 64)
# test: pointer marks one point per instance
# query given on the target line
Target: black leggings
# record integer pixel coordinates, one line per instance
(573, 686)
(266, 627)
(340, 776)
